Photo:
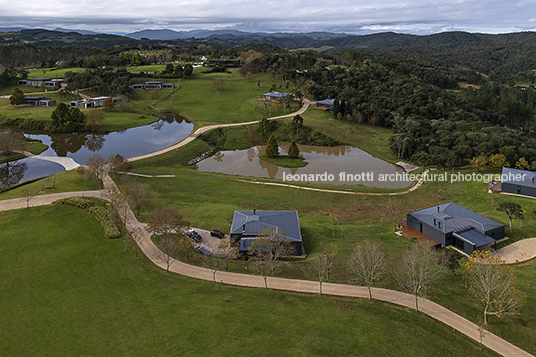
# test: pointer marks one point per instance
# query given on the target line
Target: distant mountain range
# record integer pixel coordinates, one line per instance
(232, 38)
(166, 34)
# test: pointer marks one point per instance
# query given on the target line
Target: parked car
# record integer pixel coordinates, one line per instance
(217, 233)
(194, 235)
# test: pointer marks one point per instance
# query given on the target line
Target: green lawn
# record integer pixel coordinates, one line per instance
(53, 72)
(67, 291)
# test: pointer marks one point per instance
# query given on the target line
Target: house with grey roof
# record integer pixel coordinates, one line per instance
(39, 101)
(450, 224)
(274, 95)
(248, 224)
(519, 182)
(152, 85)
(326, 104)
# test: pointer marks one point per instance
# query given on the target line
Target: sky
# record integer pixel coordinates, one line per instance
(342, 16)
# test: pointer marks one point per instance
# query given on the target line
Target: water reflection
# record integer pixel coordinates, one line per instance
(28, 169)
(128, 143)
(12, 173)
(331, 160)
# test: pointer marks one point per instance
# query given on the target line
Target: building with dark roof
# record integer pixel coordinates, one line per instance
(326, 104)
(39, 101)
(519, 182)
(452, 224)
(274, 95)
(248, 224)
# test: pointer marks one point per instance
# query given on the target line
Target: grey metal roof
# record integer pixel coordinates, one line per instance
(451, 217)
(474, 237)
(251, 223)
(528, 178)
(276, 94)
(326, 101)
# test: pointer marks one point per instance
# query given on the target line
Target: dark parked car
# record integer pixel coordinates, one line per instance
(217, 233)
(194, 235)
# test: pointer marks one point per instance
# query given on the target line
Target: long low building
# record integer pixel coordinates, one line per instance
(452, 224)
(519, 182)
(42, 82)
(96, 102)
(248, 224)
(39, 101)
(152, 85)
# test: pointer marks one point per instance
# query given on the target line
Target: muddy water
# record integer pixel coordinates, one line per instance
(338, 165)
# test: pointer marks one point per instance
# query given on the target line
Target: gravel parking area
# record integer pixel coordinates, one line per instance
(210, 243)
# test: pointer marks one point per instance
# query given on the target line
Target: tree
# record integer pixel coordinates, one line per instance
(266, 250)
(214, 264)
(138, 196)
(97, 166)
(297, 121)
(479, 161)
(108, 103)
(368, 263)
(219, 83)
(522, 164)
(498, 160)
(395, 209)
(293, 150)
(17, 97)
(188, 70)
(229, 249)
(10, 142)
(272, 149)
(512, 210)
(27, 196)
(493, 284)
(416, 269)
(60, 116)
(168, 248)
(94, 118)
(322, 265)
(166, 221)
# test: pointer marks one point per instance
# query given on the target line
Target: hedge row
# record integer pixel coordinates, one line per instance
(99, 212)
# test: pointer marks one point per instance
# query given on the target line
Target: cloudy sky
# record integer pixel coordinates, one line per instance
(349, 16)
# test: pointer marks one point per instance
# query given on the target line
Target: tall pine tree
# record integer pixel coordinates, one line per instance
(272, 149)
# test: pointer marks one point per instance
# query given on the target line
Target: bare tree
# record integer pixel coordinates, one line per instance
(96, 166)
(10, 142)
(395, 210)
(27, 196)
(168, 248)
(214, 264)
(138, 196)
(493, 284)
(185, 246)
(229, 250)
(417, 269)
(322, 265)
(267, 249)
(167, 220)
(368, 263)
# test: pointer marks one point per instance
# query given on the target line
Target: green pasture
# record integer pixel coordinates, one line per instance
(66, 290)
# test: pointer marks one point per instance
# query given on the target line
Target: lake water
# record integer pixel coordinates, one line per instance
(347, 165)
(128, 143)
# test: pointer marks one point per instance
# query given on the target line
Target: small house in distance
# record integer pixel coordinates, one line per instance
(154, 85)
(452, 224)
(39, 101)
(41, 82)
(96, 102)
(224, 62)
(326, 104)
(248, 224)
(519, 182)
(274, 95)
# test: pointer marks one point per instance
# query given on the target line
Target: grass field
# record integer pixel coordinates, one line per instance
(67, 291)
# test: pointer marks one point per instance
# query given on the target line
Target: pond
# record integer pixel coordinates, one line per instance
(170, 129)
(128, 143)
(340, 165)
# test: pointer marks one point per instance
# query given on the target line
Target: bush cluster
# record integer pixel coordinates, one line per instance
(100, 213)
